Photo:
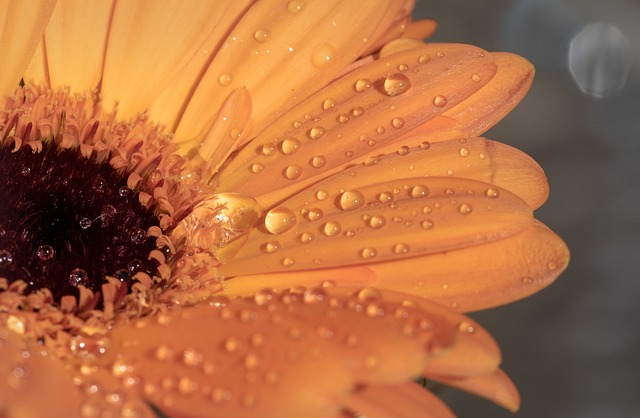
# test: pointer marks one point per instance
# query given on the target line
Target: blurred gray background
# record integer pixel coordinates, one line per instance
(573, 349)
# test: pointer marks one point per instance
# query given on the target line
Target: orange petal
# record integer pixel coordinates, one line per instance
(282, 53)
(398, 401)
(75, 40)
(468, 279)
(335, 225)
(496, 386)
(21, 26)
(231, 126)
(37, 72)
(170, 34)
(169, 105)
(291, 354)
(420, 29)
(354, 117)
(28, 374)
(498, 97)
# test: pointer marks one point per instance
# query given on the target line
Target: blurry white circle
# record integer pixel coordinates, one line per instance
(599, 59)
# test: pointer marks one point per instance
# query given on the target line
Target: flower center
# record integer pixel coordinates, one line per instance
(68, 221)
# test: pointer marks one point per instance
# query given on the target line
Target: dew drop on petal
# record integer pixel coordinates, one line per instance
(318, 161)
(225, 79)
(267, 149)
(404, 150)
(257, 168)
(328, 104)
(331, 228)
(287, 262)
(317, 132)
(465, 209)
(423, 59)
(280, 220)
(264, 296)
(78, 277)
(290, 146)
(321, 195)
(306, 237)
(427, 224)
(475, 78)
(400, 249)
(397, 123)
(293, 171)
(464, 152)
(367, 253)
(295, 6)
(419, 190)
(351, 200)
(261, 35)
(362, 85)
(492, 193)
(385, 197)
(356, 112)
(377, 221)
(440, 101)
(396, 84)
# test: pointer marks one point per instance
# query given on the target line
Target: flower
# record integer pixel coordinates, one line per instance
(273, 208)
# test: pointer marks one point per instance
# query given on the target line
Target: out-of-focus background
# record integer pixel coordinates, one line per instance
(574, 348)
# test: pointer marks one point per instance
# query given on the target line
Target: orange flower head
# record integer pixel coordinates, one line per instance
(256, 208)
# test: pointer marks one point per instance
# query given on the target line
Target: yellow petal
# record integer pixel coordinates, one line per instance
(169, 105)
(299, 353)
(21, 26)
(334, 225)
(498, 97)
(282, 52)
(496, 387)
(468, 279)
(354, 117)
(75, 41)
(28, 373)
(37, 71)
(398, 401)
(144, 54)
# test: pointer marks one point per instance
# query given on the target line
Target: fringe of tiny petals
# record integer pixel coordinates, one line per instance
(166, 182)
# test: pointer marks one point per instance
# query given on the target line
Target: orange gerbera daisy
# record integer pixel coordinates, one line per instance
(255, 208)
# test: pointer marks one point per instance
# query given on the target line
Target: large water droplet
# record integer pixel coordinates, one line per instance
(261, 35)
(419, 190)
(440, 101)
(293, 171)
(328, 104)
(318, 161)
(400, 249)
(316, 132)
(351, 200)
(78, 277)
(290, 146)
(331, 228)
(377, 221)
(465, 209)
(280, 220)
(225, 79)
(492, 193)
(396, 84)
(367, 253)
(362, 85)
(44, 252)
(397, 123)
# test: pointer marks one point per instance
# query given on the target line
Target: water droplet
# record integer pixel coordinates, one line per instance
(25, 171)
(400, 249)
(440, 54)
(287, 262)
(315, 214)
(306, 237)
(290, 146)
(385, 197)
(78, 277)
(527, 280)
(331, 228)
(6, 258)
(280, 220)
(321, 195)
(225, 79)
(427, 224)
(466, 327)
(492, 193)
(351, 200)
(85, 223)
(440, 101)
(295, 6)
(356, 112)
(221, 395)
(475, 78)
(465, 209)
(396, 84)
(124, 191)
(232, 344)
(404, 150)
(257, 168)
(264, 296)
(293, 171)
(377, 221)
(318, 161)
(261, 35)
(362, 85)
(343, 118)
(322, 55)
(368, 253)
(99, 185)
(403, 67)
(44, 252)
(464, 152)
(425, 145)
(423, 59)
(267, 149)
(397, 123)
(380, 130)
(138, 236)
(328, 104)
(419, 190)
(317, 132)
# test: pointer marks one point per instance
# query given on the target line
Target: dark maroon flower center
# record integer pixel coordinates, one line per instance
(67, 220)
